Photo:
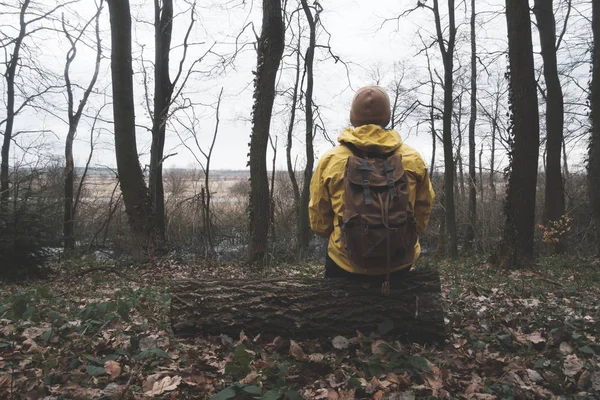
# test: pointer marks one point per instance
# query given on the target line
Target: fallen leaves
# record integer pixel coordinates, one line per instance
(504, 341)
(340, 343)
(154, 385)
(296, 351)
(112, 368)
(572, 365)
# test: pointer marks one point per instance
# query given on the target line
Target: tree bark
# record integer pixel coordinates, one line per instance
(304, 231)
(163, 91)
(269, 51)
(470, 235)
(310, 307)
(10, 74)
(517, 247)
(554, 201)
(137, 201)
(447, 52)
(594, 145)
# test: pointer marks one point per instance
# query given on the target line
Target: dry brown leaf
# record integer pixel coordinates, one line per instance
(572, 365)
(585, 380)
(340, 343)
(347, 394)
(372, 386)
(434, 379)
(535, 338)
(332, 395)
(32, 332)
(5, 382)
(166, 384)
(296, 351)
(250, 378)
(404, 381)
(565, 348)
(475, 386)
(378, 395)
(112, 368)
(317, 357)
(376, 346)
(321, 394)
(31, 347)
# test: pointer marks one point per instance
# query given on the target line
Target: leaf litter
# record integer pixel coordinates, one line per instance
(510, 334)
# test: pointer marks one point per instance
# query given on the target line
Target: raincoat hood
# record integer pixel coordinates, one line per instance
(372, 138)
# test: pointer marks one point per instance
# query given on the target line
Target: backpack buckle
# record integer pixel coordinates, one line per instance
(366, 183)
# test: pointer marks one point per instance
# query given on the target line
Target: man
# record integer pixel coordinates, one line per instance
(335, 213)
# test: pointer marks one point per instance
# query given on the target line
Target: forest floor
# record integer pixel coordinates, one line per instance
(100, 330)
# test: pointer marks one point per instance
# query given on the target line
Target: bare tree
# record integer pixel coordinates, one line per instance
(26, 28)
(74, 116)
(133, 186)
(517, 246)
(594, 145)
(470, 235)
(304, 231)
(269, 50)
(290, 131)
(447, 47)
(554, 200)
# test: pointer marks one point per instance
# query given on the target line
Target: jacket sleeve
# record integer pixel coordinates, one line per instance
(320, 210)
(424, 201)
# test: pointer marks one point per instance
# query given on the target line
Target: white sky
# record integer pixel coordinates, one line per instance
(358, 37)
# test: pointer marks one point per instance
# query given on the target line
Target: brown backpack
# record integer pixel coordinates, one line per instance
(378, 225)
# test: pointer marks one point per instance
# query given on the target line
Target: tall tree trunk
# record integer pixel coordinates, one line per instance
(305, 233)
(594, 145)
(10, 74)
(517, 248)
(269, 51)
(133, 186)
(447, 53)
(470, 235)
(74, 116)
(163, 91)
(554, 201)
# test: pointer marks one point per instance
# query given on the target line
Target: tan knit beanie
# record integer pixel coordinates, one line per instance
(371, 105)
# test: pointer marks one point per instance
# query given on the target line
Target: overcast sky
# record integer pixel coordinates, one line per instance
(358, 35)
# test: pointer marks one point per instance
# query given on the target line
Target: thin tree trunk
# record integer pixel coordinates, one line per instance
(493, 163)
(290, 138)
(272, 190)
(74, 116)
(567, 176)
(449, 168)
(163, 91)
(304, 231)
(10, 75)
(594, 145)
(554, 200)
(137, 201)
(517, 248)
(470, 235)
(207, 209)
(269, 51)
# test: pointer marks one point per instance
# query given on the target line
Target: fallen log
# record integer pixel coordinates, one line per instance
(310, 307)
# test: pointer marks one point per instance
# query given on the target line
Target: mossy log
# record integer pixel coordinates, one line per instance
(310, 307)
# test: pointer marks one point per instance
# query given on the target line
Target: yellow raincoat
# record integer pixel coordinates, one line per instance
(327, 189)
